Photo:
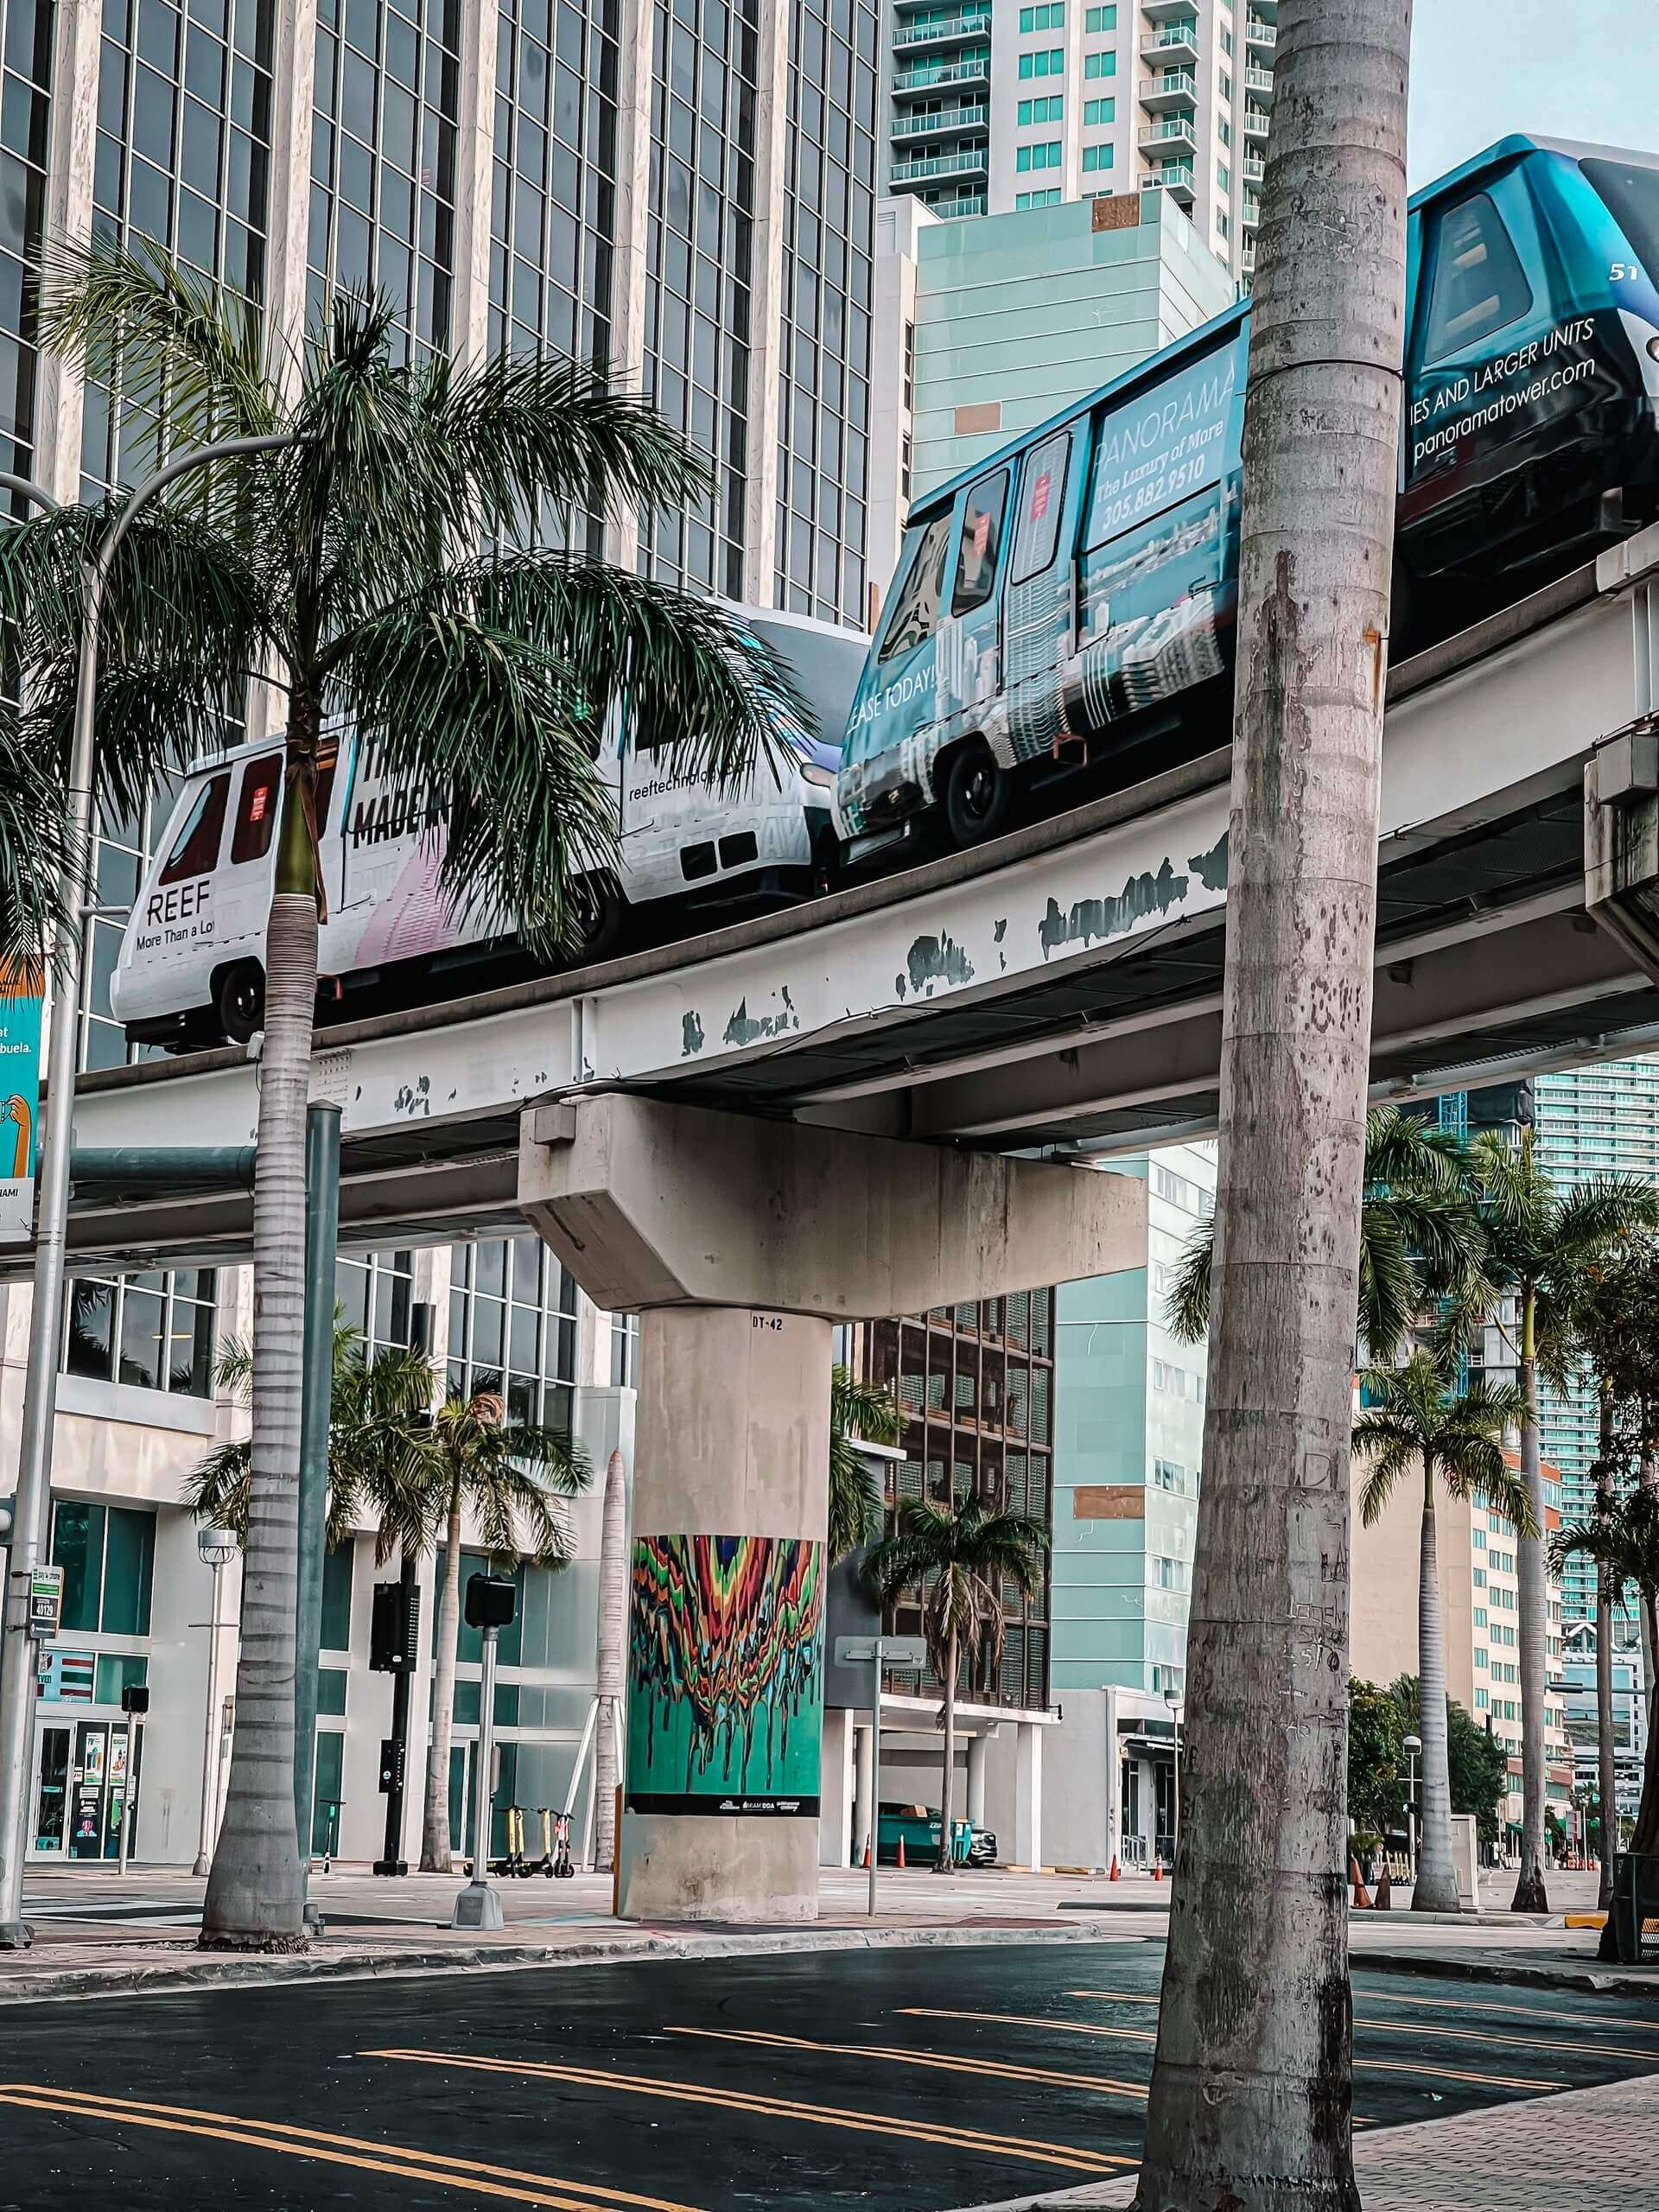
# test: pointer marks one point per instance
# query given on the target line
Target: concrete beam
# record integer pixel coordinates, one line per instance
(652, 1205)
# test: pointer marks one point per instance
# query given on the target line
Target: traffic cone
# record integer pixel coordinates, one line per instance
(901, 1855)
(1362, 1895)
(1158, 1868)
(866, 1854)
(1115, 1875)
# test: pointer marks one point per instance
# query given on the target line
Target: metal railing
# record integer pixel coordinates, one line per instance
(974, 68)
(939, 165)
(1174, 176)
(1183, 127)
(1171, 83)
(949, 119)
(946, 27)
(1178, 34)
(1258, 81)
(1255, 122)
(1256, 169)
(969, 203)
(1258, 33)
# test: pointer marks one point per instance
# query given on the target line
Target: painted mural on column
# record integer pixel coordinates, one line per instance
(725, 1655)
(20, 987)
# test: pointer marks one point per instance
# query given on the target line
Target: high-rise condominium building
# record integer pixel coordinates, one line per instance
(1595, 1121)
(993, 105)
(681, 187)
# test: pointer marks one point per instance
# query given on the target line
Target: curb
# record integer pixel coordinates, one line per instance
(199, 1971)
(1606, 1983)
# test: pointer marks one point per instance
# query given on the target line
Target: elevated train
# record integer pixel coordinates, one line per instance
(1065, 608)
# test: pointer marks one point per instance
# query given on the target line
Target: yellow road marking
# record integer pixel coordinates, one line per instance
(1147, 2035)
(405, 2163)
(766, 2040)
(1112, 1996)
(959, 2139)
(1492, 2038)
(1518, 2012)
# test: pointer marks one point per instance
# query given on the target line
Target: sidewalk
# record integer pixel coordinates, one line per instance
(95, 1935)
(1582, 2151)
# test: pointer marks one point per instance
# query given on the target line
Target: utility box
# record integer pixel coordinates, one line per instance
(394, 1763)
(395, 1628)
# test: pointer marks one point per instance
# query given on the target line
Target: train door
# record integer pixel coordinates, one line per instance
(1038, 618)
(1485, 397)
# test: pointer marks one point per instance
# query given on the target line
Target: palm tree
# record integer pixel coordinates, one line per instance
(957, 1557)
(1415, 1422)
(376, 1418)
(506, 1474)
(1419, 1234)
(345, 571)
(857, 1411)
(1539, 1242)
(1622, 1538)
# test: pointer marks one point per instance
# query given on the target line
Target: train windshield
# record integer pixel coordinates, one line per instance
(1632, 193)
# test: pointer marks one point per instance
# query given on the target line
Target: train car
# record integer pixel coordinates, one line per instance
(1072, 594)
(191, 969)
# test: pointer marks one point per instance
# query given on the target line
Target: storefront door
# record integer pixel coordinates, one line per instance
(50, 1834)
(101, 1780)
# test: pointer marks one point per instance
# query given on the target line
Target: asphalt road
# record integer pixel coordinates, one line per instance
(898, 2080)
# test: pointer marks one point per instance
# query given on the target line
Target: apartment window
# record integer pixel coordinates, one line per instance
(1052, 198)
(1483, 1699)
(1047, 61)
(1097, 158)
(1100, 65)
(1044, 156)
(1223, 177)
(1477, 1537)
(376, 1295)
(108, 1556)
(1480, 1616)
(1225, 87)
(1167, 1573)
(1191, 1197)
(1050, 17)
(1480, 1656)
(1100, 19)
(1049, 109)
(1176, 1382)
(906, 456)
(150, 1331)
(1227, 44)
(1222, 226)
(1097, 112)
(625, 1351)
(512, 1327)
(1167, 1475)
(910, 368)
(1224, 131)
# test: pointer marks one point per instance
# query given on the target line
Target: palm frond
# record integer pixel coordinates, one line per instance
(1186, 1311)
(40, 853)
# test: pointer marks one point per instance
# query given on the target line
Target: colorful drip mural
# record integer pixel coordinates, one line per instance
(725, 1651)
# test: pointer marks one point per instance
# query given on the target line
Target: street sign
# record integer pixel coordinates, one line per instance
(45, 1601)
(896, 1651)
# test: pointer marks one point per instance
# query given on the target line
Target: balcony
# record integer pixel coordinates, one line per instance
(1177, 134)
(974, 162)
(971, 69)
(1167, 11)
(1175, 88)
(1259, 81)
(944, 30)
(1256, 123)
(1247, 257)
(1256, 169)
(968, 203)
(1260, 36)
(1175, 178)
(937, 125)
(1252, 211)
(1177, 43)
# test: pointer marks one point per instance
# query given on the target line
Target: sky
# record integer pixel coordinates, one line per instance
(1557, 68)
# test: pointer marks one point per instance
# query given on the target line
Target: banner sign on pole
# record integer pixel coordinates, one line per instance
(20, 989)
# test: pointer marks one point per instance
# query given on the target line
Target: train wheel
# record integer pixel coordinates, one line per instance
(239, 1001)
(599, 915)
(978, 796)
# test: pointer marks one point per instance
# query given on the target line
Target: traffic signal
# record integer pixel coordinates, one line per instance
(135, 1698)
(490, 1601)
(395, 1628)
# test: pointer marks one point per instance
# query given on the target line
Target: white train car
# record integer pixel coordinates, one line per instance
(191, 969)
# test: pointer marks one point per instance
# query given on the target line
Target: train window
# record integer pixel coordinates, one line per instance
(256, 809)
(1042, 497)
(1479, 284)
(982, 543)
(916, 613)
(195, 849)
(1632, 193)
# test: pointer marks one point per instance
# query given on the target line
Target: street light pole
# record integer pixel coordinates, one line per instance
(217, 1547)
(30, 1535)
(1413, 1745)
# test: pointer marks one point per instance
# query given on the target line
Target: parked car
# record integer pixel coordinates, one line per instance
(918, 1826)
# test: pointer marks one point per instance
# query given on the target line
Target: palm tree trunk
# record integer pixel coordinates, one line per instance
(1645, 1836)
(256, 1887)
(1530, 1894)
(948, 1779)
(1436, 1889)
(1606, 1762)
(436, 1857)
(612, 1636)
(1250, 2101)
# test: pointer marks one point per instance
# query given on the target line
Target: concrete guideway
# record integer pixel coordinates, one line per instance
(1060, 985)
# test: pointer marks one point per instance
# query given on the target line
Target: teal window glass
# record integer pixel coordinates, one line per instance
(325, 1794)
(1097, 158)
(129, 1568)
(77, 1549)
(1100, 111)
(1100, 65)
(331, 1691)
(115, 1674)
(337, 1598)
(1100, 19)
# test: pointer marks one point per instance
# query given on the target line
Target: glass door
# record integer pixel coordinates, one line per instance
(51, 1795)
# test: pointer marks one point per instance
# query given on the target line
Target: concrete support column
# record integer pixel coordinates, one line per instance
(1028, 1795)
(730, 1502)
(863, 1805)
(979, 1749)
(836, 1805)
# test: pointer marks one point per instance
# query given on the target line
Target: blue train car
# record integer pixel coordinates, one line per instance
(1051, 603)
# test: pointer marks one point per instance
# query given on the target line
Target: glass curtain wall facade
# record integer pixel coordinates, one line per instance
(975, 1382)
(26, 35)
